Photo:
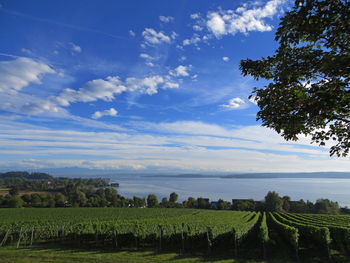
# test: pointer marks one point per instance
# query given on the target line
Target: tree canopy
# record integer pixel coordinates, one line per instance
(308, 91)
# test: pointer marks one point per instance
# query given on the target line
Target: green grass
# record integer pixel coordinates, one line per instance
(45, 253)
(41, 254)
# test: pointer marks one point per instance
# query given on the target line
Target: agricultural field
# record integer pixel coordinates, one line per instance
(231, 234)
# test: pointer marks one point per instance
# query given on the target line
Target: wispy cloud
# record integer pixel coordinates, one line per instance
(195, 146)
(109, 112)
(166, 19)
(61, 24)
(234, 104)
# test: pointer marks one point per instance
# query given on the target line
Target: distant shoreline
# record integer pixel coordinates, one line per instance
(320, 175)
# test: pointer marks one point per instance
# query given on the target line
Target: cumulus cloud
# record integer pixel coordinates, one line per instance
(104, 89)
(180, 71)
(149, 85)
(166, 19)
(225, 59)
(248, 17)
(191, 41)
(234, 103)
(99, 114)
(20, 72)
(153, 37)
(216, 24)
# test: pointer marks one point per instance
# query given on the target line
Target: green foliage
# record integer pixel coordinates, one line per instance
(145, 224)
(290, 233)
(173, 197)
(308, 90)
(243, 205)
(13, 190)
(44, 182)
(263, 230)
(318, 235)
(14, 201)
(152, 201)
(273, 202)
(325, 206)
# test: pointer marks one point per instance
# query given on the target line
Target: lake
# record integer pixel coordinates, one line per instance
(227, 189)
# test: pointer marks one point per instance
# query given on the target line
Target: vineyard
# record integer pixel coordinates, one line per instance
(183, 230)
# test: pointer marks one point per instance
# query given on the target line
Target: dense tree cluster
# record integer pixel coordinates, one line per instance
(308, 89)
(44, 182)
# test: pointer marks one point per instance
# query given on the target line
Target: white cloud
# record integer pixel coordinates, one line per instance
(150, 64)
(27, 51)
(191, 41)
(153, 37)
(20, 72)
(225, 59)
(146, 56)
(180, 71)
(197, 28)
(195, 16)
(166, 19)
(235, 148)
(216, 24)
(104, 89)
(173, 35)
(75, 48)
(99, 114)
(132, 33)
(248, 17)
(149, 85)
(235, 103)
(182, 58)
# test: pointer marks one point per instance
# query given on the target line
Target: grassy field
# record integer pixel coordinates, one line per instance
(59, 254)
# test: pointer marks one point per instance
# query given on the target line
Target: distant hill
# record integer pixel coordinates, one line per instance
(338, 175)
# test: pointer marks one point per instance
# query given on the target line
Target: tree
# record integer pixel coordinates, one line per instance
(112, 196)
(152, 201)
(15, 201)
(139, 202)
(325, 206)
(273, 202)
(286, 205)
(203, 203)
(223, 205)
(60, 200)
(190, 203)
(173, 197)
(243, 205)
(308, 91)
(14, 190)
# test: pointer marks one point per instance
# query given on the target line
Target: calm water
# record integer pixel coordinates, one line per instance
(227, 189)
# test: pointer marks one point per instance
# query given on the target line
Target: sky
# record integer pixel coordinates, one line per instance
(146, 86)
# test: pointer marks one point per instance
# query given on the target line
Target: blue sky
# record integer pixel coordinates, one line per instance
(140, 85)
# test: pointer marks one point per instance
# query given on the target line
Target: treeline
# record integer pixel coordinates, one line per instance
(72, 195)
(49, 191)
(271, 203)
(44, 182)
